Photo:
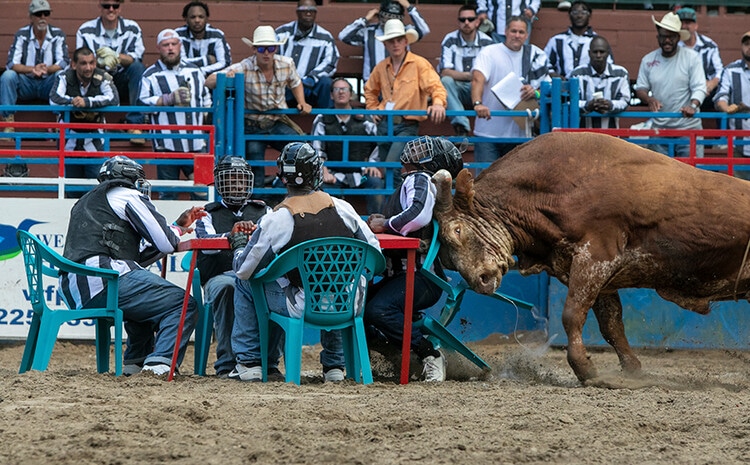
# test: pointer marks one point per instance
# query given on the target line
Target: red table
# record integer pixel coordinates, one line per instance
(387, 241)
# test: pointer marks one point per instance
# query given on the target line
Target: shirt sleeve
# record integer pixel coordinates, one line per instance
(354, 33)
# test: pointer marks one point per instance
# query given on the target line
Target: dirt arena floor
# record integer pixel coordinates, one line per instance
(689, 407)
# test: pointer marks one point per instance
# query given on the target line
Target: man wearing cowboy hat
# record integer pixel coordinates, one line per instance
(263, 72)
(403, 81)
(674, 76)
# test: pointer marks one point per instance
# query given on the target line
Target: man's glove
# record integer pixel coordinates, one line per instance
(107, 58)
(179, 97)
(237, 240)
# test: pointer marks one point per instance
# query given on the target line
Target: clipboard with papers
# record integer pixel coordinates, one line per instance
(508, 92)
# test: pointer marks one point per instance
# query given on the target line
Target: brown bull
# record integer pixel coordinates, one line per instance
(599, 214)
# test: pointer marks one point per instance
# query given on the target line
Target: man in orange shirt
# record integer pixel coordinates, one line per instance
(403, 81)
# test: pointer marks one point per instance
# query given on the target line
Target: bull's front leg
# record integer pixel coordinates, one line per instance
(608, 311)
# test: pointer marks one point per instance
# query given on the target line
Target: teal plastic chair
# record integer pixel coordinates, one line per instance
(330, 270)
(436, 329)
(204, 328)
(40, 261)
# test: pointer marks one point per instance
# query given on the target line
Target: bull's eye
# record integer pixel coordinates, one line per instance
(457, 232)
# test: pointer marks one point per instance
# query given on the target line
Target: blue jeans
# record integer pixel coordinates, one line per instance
(384, 309)
(219, 295)
(128, 83)
(255, 150)
(246, 338)
(391, 151)
(15, 87)
(151, 308)
(318, 95)
(459, 98)
(679, 150)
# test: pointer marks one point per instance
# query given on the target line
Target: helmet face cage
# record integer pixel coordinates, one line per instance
(300, 166)
(122, 167)
(433, 154)
(234, 181)
(390, 10)
(16, 170)
(418, 151)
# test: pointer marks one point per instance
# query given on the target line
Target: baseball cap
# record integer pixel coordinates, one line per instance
(745, 36)
(687, 14)
(166, 34)
(38, 5)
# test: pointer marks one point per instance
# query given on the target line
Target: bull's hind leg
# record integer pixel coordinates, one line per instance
(575, 311)
(608, 311)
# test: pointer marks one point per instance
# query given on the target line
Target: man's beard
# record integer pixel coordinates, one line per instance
(171, 62)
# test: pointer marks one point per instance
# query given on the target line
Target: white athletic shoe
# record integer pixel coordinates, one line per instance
(245, 373)
(434, 368)
(334, 375)
(159, 369)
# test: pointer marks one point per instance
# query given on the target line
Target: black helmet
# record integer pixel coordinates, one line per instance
(16, 170)
(300, 166)
(122, 167)
(233, 179)
(433, 154)
(391, 10)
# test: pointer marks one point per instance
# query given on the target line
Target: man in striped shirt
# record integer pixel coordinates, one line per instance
(203, 44)
(460, 47)
(733, 96)
(314, 53)
(121, 38)
(500, 11)
(362, 32)
(167, 83)
(570, 49)
(604, 87)
(708, 51)
(38, 53)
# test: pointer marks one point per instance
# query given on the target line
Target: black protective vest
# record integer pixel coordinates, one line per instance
(358, 151)
(314, 216)
(95, 229)
(223, 220)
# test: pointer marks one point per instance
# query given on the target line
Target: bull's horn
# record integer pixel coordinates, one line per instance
(444, 198)
(464, 198)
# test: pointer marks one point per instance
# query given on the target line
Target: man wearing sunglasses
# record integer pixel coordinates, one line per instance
(267, 77)
(570, 49)
(314, 53)
(118, 44)
(459, 48)
(38, 53)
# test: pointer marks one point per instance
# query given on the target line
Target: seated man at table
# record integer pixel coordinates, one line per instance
(408, 212)
(306, 213)
(235, 211)
(107, 227)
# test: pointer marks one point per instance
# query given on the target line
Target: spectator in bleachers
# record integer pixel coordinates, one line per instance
(267, 76)
(202, 44)
(570, 49)
(118, 44)
(171, 82)
(368, 177)
(403, 81)
(500, 11)
(37, 54)
(363, 32)
(314, 52)
(459, 48)
(494, 62)
(671, 80)
(708, 51)
(733, 96)
(84, 86)
(604, 87)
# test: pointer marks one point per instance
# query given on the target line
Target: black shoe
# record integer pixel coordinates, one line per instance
(274, 375)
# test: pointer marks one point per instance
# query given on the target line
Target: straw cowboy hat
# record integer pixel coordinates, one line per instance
(263, 36)
(671, 22)
(395, 28)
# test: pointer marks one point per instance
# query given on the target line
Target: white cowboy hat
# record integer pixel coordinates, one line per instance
(395, 28)
(263, 36)
(671, 22)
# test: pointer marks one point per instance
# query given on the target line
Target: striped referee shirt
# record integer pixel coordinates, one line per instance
(734, 88)
(567, 51)
(261, 95)
(498, 11)
(314, 53)
(614, 85)
(127, 39)
(361, 34)
(458, 54)
(137, 210)
(27, 51)
(158, 80)
(709, 53)
(197, 51)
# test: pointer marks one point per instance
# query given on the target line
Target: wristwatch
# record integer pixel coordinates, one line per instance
(478, 102)
(693, 106)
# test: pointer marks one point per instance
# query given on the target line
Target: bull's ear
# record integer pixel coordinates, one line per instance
(443, 197)
(464, 198)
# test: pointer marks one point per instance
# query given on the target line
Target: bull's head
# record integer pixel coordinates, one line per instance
(474, 241)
